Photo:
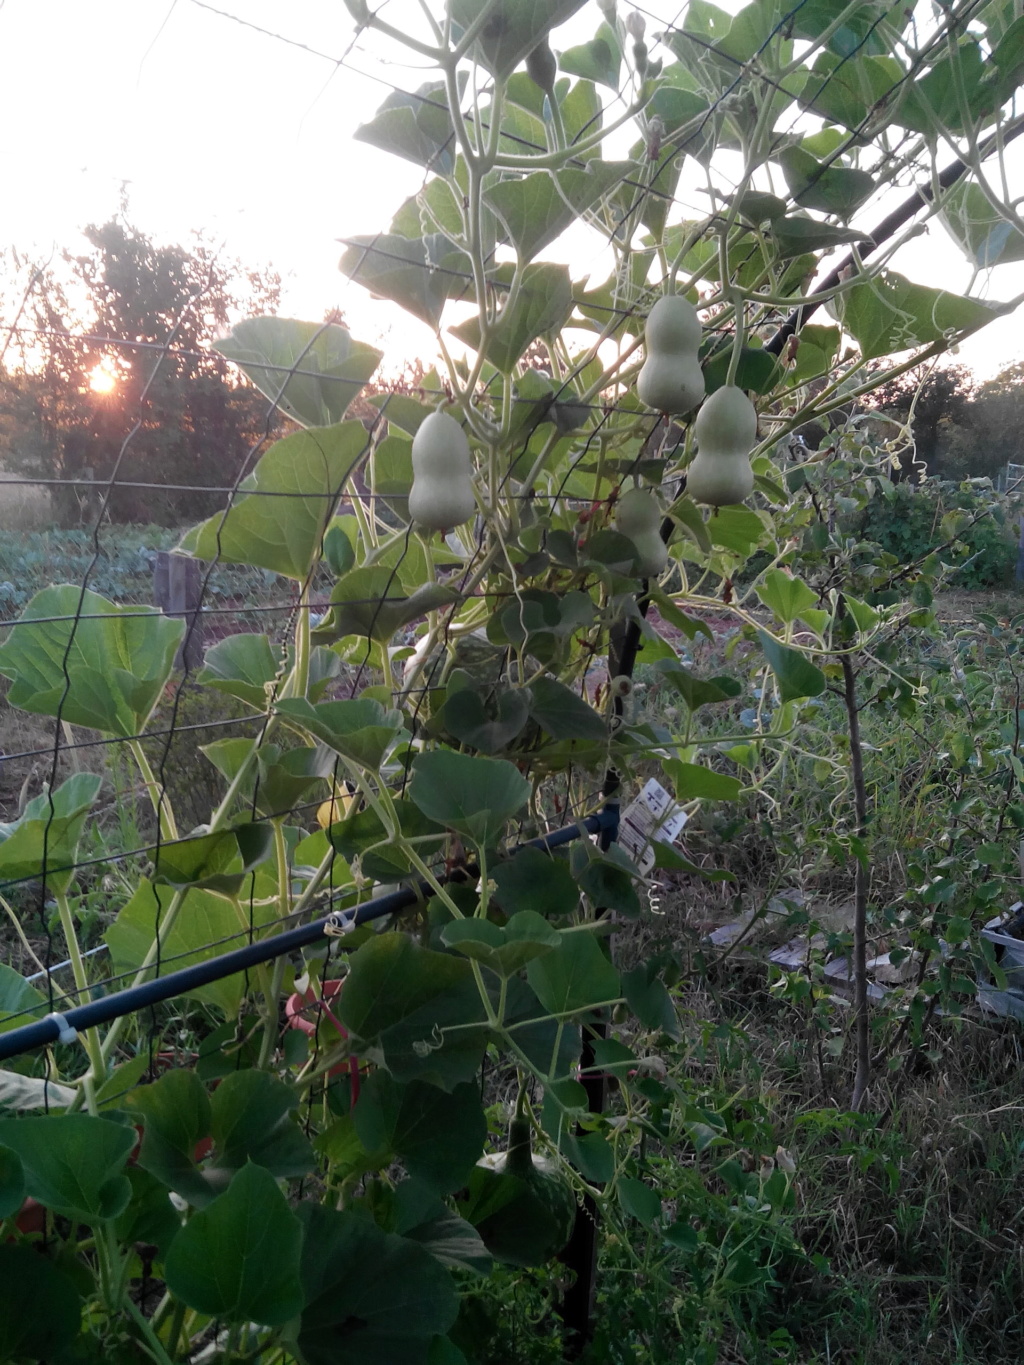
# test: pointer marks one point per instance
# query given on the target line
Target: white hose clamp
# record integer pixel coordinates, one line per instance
(65, 1033)
(339, 923)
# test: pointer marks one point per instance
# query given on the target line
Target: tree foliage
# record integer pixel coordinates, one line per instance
(177, 413)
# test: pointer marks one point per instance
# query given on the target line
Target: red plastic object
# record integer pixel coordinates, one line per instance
(306, 1012)
(31, 1217)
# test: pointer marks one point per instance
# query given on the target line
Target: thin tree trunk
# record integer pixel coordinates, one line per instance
(861, 1023)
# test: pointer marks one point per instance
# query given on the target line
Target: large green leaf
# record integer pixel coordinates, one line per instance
(214, 862)
(692, 782)
(606, 881)
(577, 976)
(12, 1182)
(238, 1259)
(890, 314)
(353, 837)
(176, 1115)
(44, 840)
(390, 978)
(359, 728)
(539, 207)
(424, 1218)
(796, 676)
(505, 951)
(599, 60)
(371, 1298)
(797, 234)
(254, 1120)
(420, 1008)
(39, 1308)
(984, 235)
(649, 1000)
(205, 920)
(472, 795)
(150, 1216)
(282, 510)
(73, 1163)
(488, 721)
(279, 781)
(75, 654)
(311, 370)
(16, 996)
(936, 102)
(786, 596)
(512, 28)
(563, 713)
(736, 528)
(242, 666)
(419, 273)
(415, 125)
(697, 692)
(370, 602)
(832, 189)
(533, 880)
(437, 1136)
(859, 31)
(843, 91)
(541, 305)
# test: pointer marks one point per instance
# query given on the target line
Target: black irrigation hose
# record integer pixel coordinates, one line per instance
(56, 1027)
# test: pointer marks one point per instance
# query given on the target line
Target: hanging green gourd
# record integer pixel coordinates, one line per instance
(726, 432)
(441, 496)
(521, 1207)
(638, 516)
(671, 380)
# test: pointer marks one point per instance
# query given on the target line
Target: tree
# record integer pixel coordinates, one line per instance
(930, 401)
(175, 413)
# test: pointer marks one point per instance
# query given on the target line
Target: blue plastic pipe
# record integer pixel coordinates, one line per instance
(57, 1028)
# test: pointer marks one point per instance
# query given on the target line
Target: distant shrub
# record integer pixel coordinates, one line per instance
(909, 521)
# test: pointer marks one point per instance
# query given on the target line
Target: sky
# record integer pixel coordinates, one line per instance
(210, 124)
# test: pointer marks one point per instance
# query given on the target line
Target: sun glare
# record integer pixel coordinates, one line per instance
(102, 380)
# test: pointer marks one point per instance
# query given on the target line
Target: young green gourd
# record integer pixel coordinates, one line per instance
(726, 432)
(519, 1203)
(441, 495)
(638, 516)
(671, 379)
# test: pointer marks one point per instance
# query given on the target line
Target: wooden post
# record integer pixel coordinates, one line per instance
(178, 591)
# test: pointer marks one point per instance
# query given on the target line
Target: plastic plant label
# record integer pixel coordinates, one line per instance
(652, 815)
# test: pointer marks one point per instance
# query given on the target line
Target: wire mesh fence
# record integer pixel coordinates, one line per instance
(133, 565)
(146, 776)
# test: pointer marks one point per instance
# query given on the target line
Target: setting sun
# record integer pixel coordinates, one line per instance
(101, 379)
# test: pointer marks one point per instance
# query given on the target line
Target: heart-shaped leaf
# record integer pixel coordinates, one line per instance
(44, 841)
(76, 655)
(278, 518)
(505, 951)
(312, 371)
(472, 795)
(238, 1259)
(347, 1320)
(73, 1163)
